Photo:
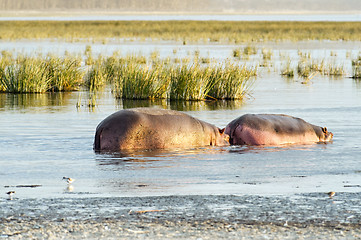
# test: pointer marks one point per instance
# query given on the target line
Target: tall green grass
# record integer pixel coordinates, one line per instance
(25, 74)
(28, 75)
(180, 81)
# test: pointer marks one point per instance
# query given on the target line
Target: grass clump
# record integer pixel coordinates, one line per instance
(28, 75)
(37, 75)
(189, 83)
(307, 68)
(356, 68)
(231, 81)
(288, 71)
(181, 81)
(65, 74)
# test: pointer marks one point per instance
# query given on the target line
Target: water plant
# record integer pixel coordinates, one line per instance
(136, 81)
(356, 68)
(237, 53)
(307, 68)
(231, 81)
(65, 74)
(37, 75)
(288, 71)
(29, 75)
(181, 81)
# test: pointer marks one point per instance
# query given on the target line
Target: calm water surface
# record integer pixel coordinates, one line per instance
(44, 137)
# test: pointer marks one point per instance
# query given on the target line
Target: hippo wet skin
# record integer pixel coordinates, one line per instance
(274, 129)
(150, 128)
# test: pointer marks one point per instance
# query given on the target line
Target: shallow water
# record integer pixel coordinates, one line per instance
(45, 137)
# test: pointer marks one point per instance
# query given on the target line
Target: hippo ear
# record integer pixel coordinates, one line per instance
(324, 129)
(221, 131)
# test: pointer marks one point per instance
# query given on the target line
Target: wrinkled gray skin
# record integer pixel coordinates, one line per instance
(150, 128)
(274, 129)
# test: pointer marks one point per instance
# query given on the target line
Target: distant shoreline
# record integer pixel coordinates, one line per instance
(73, 12)
(74, 15)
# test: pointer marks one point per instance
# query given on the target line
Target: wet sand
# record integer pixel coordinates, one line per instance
(308, 216)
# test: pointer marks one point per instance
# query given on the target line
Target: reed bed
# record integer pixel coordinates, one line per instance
(130, 77)
(185, 31)
(180, 81)
(37, 75)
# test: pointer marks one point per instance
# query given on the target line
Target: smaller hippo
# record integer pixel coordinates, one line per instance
(150, 128)
(274, 129)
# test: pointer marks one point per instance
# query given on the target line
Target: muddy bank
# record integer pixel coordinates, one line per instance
(222, 216)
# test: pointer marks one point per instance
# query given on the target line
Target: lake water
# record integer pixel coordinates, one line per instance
(44, 137)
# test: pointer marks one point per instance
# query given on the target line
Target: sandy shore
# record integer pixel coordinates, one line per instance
(306, 216)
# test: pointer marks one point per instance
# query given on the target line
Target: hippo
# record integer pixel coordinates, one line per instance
(274, 129)
(151, 128)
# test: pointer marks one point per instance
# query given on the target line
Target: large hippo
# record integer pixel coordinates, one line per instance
(150, 128)
(274, 129)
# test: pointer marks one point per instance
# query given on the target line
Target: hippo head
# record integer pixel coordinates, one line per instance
(326, 136)
(223, 138)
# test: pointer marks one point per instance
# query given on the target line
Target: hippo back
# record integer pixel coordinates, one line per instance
(149, 128)
(260, 129)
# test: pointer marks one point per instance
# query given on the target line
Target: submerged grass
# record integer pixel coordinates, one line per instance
(185, 31)
(307, 68)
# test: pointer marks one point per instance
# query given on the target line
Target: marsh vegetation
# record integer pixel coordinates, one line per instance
(193, 77)
(136, 76)
(130, 77)
(184, 31)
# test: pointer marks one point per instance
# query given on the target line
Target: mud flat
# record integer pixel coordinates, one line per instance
(308, 216)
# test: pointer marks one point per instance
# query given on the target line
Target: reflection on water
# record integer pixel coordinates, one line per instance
(114, 161)
(9, 101)
(182, 105)
(357, 82)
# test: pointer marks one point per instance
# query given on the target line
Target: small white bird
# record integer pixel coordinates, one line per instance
(10, 193)
(69, 180)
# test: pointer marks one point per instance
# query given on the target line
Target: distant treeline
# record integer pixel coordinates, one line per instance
(182, 5)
